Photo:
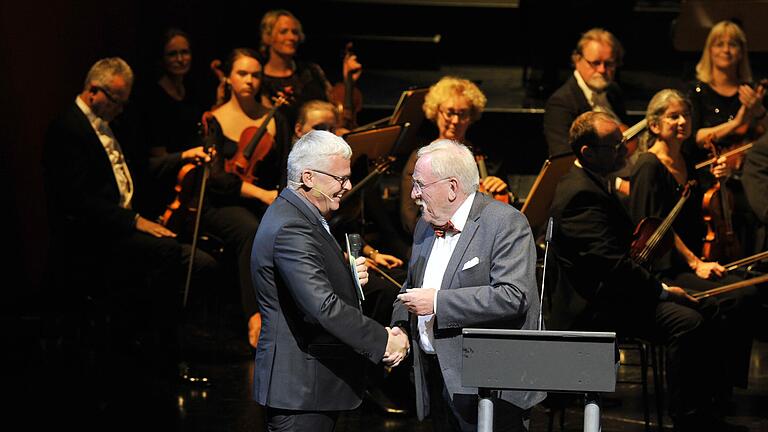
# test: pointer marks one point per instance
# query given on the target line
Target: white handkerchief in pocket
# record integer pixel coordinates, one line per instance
(471, 263)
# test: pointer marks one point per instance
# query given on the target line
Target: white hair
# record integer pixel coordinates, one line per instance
(105, 69)
(312, 151)
(453, 159)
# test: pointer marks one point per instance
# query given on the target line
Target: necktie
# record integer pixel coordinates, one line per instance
(440, 231)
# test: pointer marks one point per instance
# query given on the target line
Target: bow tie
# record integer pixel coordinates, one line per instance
(447, 228)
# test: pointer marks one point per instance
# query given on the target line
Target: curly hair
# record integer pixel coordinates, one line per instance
(451, 86)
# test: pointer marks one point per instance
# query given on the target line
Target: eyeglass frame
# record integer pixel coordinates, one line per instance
(615, 147)
(415, 184)
(462, 116)
(110, 97)
(594, 64)
(341, 179)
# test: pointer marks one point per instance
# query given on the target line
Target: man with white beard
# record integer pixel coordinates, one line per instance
(591, 88)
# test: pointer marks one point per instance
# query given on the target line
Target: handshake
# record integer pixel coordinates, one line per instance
(397, 347)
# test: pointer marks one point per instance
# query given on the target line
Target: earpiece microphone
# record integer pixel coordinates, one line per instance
(317, 192)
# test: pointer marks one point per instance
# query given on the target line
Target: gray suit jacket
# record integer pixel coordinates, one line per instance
(499, 292)
(315, 340)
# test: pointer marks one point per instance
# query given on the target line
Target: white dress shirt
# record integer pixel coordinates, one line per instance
(598, 101)
(114, 152)
(442, 249)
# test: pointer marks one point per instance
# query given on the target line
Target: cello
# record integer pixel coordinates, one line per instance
(345, 96)
(720, 241)
(253, 146)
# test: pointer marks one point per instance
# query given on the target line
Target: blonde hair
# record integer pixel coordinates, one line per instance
(721, 30)
(267, 25)
(602, 36)
(451, 86)
(315, 105)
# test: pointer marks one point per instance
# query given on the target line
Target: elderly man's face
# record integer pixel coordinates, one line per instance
(107, 101)
(330, 183)
(436, 196)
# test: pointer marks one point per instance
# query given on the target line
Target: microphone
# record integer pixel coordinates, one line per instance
(355, 244)
(547, 241)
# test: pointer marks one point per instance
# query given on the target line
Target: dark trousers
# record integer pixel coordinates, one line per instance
(282, 420)
(459, 413)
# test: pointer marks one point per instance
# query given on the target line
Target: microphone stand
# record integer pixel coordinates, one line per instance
(547, 241)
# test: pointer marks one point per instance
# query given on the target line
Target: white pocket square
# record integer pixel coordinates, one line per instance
(471, 263)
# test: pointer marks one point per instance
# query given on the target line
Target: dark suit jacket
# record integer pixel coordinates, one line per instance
(593, 233)
(567, 103)
(314, 339)
(498, 292)
(82, 191)
(755, 181)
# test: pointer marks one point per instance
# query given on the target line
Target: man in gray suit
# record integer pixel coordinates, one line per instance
(472, 265)
(314, 340)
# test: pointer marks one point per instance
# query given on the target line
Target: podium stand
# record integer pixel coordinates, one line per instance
(557, 361)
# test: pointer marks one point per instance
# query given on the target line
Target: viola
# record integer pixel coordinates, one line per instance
(253, 146)
(499, 196)
(346, 96)
(720, 241)
(652, 237)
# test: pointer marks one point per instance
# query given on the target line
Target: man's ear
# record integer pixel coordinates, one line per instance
(587, 153)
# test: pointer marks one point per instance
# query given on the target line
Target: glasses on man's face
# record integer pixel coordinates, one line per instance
(418, 186)
(594, 64)
(615, 147)
(111, 97)
(342, 180)
(462, 115)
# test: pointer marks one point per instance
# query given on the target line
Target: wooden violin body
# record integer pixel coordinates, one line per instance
(347, 97)
(254, 145)
(720, 241)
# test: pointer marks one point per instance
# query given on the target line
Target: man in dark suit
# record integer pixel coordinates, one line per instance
(315, 340)
(472, 265)
(595, 59)
(601, 288)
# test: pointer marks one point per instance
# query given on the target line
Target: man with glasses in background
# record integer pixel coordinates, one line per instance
(591, 88)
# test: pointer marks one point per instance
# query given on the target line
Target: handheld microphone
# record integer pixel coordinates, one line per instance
(547, 241)
(355, 244)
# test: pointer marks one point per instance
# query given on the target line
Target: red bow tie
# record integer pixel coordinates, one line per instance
(447, 228)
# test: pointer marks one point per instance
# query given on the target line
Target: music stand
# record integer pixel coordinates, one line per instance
(536, 360)
(536, 206)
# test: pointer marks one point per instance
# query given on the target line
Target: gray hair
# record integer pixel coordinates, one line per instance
(312, 151)
(453, 159)
(656, 108)
(105, 69)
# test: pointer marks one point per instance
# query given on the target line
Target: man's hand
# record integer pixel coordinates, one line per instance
(493, 184)
(152, 228)
(397, 347)
(709, 270)
(385, 260)
(420, 301)
(678, 295)
(362, 270)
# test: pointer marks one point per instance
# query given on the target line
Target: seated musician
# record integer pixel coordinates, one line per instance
(657, 178)
(95, 178)
(234, 204)
(453, 104)
(601, 288)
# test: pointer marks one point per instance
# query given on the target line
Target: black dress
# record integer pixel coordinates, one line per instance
(308, 82)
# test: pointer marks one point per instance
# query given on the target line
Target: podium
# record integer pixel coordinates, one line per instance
(536, 360)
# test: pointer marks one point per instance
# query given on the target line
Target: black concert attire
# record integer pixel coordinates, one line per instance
(710, 109)
(308, 82)
(654, 192)
(234, 219)
(600, 288)
(755, 181)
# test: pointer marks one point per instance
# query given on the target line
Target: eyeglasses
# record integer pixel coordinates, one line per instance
(418, 186)
(111, 97)
(461, 115)
(594, 64)
(342, 180)
(615, 147)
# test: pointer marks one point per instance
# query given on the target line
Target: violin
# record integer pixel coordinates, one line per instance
(652, 237)
(720, 241)
(221, 88)
(346, 97)
(499, 196)
(253, 146)
(750, 131)
(179, 215)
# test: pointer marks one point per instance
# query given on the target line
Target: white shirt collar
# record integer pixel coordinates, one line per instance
(459, 218)
(95, 120)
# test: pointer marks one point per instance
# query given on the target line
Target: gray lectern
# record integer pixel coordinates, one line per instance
(557, 361)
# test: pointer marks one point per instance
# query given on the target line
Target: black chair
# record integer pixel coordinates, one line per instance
(651, 356)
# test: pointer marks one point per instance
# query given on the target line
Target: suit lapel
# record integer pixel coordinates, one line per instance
(297, 202)
(467, 234)
(422, 252)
